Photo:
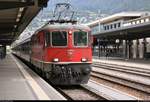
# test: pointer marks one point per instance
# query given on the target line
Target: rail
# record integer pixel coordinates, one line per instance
(129, 78)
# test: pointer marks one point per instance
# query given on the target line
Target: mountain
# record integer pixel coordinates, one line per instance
(89, 10)
(106, 6)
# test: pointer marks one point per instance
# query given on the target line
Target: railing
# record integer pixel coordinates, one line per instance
(137, 21)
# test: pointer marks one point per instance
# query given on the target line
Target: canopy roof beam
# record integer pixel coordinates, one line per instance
(14, 4)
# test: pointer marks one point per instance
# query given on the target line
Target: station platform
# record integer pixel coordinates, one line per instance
(18, 82)
(124, 62)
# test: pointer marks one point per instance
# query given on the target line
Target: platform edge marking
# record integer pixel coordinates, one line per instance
(37, 89)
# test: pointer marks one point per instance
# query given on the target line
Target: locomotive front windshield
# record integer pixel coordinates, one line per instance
(59, 38)
(80, 38)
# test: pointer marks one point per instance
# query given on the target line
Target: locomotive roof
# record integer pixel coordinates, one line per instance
(65, 26)
(56, 27)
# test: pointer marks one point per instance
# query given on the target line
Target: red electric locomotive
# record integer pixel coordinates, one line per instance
(62, 52)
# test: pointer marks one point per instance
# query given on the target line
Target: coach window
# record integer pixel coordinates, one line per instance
(115, 25)
(107, 27)
(119, 24)
(39, 40)
(36, 40)
(59, 38)
(33, 40)
(111, 26)
(80, 38)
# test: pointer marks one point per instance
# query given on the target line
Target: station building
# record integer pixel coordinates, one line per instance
(124, 35)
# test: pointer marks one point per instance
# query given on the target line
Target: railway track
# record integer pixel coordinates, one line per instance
(93, 91)
(129, 69)
(135, 78)
(78, 93)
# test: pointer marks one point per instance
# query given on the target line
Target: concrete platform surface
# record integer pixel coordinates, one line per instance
(125, 62)
(17, 82)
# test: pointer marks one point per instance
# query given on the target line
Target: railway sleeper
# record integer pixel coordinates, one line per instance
(125, 82)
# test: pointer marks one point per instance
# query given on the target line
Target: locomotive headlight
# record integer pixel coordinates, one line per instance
(83, 59)
(55, 59)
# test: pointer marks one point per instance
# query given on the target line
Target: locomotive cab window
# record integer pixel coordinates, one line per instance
(59, 38)
(80, 38)
(47, 37)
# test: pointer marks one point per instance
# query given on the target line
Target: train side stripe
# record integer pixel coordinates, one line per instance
(89, 62)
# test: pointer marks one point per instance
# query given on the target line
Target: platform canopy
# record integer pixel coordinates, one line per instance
(130, 33)
(15, 15)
